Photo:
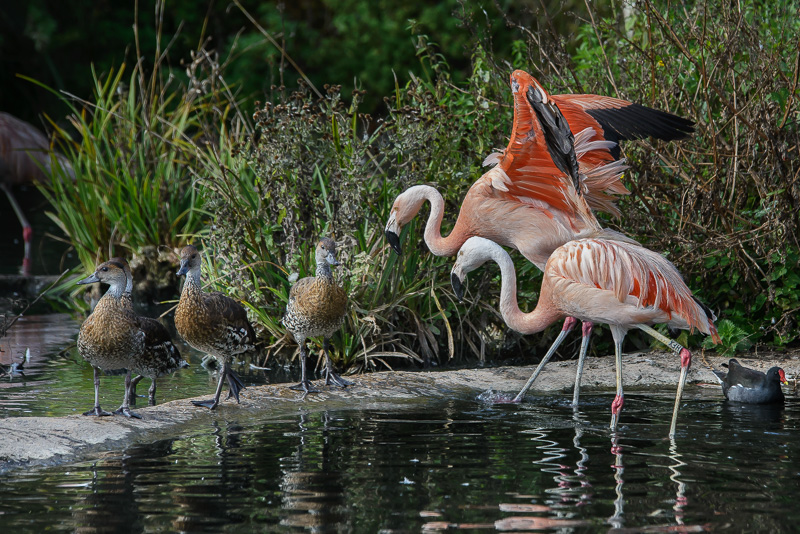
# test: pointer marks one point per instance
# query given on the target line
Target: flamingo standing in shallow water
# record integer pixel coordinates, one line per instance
(24, 158)
(558, 166)
(622, 284)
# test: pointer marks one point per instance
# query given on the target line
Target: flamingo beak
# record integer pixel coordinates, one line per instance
(392, 233)
(458, 285)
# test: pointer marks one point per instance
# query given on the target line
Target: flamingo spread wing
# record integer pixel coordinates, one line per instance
(622, 120)
(539, 163)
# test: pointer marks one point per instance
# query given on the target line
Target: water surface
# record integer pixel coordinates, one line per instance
(453, 464)
(429, 465)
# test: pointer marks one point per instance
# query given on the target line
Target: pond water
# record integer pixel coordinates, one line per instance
(453, 464)
(57, 381)
(429, 465)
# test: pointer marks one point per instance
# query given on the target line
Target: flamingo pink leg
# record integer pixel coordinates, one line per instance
(619, 400)
(569, 322)
(587, 332)
(686, 361)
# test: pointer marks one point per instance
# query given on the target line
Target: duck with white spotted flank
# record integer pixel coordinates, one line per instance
(212, 323)
(317, 307)
(110, 337)
(160, 356)
(749, 386)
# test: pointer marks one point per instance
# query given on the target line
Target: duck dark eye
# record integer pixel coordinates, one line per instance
(104, 269)
(194, 256)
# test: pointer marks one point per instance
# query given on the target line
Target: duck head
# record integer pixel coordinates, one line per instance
(190, 260)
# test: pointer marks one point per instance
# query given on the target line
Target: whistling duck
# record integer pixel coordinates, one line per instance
(110, 337)
(213, 323)
(160, 355)
(317, 307)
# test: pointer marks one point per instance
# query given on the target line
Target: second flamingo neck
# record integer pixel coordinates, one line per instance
(525, 323)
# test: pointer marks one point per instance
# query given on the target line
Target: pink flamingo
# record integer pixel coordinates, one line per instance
(544, 185)
(622, 284)
(25, 157)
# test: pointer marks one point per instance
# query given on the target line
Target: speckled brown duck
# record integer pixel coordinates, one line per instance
(159, 357)
(212, 323)
(317, 307)
(110, 337)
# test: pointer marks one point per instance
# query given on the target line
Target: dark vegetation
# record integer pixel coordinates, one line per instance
(178, 155)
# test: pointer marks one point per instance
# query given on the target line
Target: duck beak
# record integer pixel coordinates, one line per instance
(782, 376)
(332, 259)
(184, 268)
(91, 279)
(392, 232)
(458, 285)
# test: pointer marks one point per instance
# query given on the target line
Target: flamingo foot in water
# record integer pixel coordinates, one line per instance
(497, 397)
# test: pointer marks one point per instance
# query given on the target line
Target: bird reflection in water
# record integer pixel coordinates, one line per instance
(616, 520)
(312, 491)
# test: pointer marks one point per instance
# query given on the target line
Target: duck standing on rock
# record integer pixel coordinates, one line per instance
(749, 386)
(159, 357)
(317, 307)
(110, 337)
(212, 323)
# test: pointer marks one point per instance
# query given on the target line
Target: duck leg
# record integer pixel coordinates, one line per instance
(213, 403)
(125, 409)
(331, 376)
(587, 333)
(152, 393)
(569, 322)
(132, 396)
(97, 410)
(235, 384)
(304, 385)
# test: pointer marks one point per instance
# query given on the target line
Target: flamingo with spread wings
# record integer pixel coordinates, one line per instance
(560, 164)
(598, 280)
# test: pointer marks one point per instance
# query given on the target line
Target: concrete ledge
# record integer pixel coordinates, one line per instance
(39, 441)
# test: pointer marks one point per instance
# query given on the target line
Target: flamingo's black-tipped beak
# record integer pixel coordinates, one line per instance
(458, 286)
(394, 242)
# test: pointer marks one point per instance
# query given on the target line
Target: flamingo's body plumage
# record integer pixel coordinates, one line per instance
(618, 283)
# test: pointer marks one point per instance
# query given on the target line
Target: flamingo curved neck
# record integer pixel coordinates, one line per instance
(524, 323)
(438, 245)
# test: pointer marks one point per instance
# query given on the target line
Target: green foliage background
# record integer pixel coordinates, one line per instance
(424, 101)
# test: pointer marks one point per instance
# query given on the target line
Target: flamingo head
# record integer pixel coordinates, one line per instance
(474, 252)
(405, 207)
(190, 260)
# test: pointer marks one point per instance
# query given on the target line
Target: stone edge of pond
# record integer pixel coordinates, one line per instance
(48, 441)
